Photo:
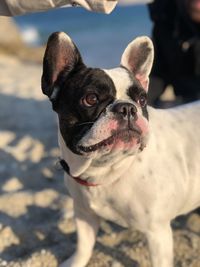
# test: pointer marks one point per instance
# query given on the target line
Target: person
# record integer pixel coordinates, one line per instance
(20, 7)
(176, 37)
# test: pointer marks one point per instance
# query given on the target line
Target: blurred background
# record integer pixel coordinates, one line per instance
(100, 38)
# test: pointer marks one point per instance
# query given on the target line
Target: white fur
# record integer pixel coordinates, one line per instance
(122, 82)
(152, 188)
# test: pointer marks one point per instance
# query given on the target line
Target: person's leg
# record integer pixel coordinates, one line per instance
(156, 88)
(187, 88)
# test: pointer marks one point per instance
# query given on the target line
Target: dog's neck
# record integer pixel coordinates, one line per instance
(77, 164)
(94, 170)
(105, 170)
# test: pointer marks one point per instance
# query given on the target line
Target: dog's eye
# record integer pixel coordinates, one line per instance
(142, 101)
(90, 100)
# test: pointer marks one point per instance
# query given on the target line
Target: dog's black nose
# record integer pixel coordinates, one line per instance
(127, 110)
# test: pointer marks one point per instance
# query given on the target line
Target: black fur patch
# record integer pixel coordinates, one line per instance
(135, 91)
(76, 119)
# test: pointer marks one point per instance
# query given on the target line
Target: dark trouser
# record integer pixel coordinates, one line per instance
(186, 89)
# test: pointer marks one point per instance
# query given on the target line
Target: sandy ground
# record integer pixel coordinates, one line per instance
(36, 224)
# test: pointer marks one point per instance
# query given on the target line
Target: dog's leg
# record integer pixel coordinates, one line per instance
(87, 225)
(160, 242)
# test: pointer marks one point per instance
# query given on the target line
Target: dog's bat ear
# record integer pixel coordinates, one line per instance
(61, 55)
(138, 58)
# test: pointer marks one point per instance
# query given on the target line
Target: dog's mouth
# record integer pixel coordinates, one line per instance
(126, 136)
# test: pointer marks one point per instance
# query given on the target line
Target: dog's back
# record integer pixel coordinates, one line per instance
(176, 142)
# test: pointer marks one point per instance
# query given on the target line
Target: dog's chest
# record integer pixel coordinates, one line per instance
(106, 204)
(118, 203)
(109, 212)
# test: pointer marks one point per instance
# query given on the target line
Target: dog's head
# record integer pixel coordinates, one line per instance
(100, 111)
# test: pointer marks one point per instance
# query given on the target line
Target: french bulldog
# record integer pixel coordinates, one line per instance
(124, 161)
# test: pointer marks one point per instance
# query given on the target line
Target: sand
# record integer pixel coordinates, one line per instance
(36, 214)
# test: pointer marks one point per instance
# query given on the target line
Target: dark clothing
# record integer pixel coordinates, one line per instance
(177, 49)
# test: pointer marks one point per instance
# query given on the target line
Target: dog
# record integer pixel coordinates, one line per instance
(124, 161)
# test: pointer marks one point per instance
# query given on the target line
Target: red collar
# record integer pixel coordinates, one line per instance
(65, 167)
(83, 182)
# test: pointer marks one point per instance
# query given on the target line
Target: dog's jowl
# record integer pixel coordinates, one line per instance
(123, 161)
